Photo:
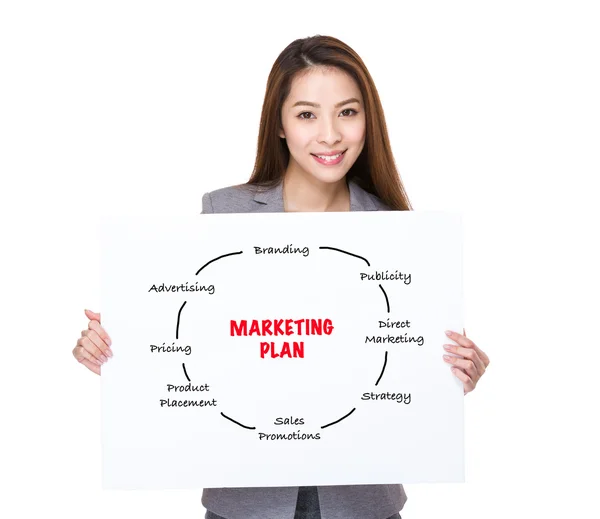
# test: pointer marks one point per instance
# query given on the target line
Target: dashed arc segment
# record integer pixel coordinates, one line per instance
(339, 420)
(387, 301)
(218, 258)
(236, 422)
(185, 371)
(178, 318)
(349, 254)
(382, 369)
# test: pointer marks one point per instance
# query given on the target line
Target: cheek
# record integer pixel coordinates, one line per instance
(299, 136)
(356, 133)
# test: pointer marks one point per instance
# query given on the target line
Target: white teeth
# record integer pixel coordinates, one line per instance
(328, 158)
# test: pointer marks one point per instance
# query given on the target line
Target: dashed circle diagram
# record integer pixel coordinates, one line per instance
(389, 331)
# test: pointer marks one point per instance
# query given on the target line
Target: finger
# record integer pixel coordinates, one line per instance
(460, 339)
(468, 343)
(91, 348)
(468, 384)
(92, 315)
(81, 354)
(465, 364)
(95, 325)
(469, 354)
(93, 336)
(485, 359)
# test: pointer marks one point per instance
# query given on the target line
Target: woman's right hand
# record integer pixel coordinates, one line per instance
(93, 347)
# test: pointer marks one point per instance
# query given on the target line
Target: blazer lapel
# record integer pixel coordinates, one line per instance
(270, 199)
(360, 200)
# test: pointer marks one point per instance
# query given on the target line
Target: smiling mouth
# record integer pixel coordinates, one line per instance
(329, 157)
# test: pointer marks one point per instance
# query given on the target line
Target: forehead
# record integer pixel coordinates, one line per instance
(323, 85)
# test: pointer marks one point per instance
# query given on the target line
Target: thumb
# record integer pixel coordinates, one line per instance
(92, 315)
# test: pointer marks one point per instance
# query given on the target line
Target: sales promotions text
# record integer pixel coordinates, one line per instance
(275, 327)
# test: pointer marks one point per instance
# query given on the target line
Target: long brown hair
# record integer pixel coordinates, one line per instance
(374, 169)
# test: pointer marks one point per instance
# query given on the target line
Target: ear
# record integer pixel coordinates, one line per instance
(281, 133)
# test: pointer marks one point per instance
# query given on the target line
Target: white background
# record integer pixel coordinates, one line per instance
(492, 108)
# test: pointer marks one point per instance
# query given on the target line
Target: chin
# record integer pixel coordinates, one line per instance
(329, 174)
(329, 177)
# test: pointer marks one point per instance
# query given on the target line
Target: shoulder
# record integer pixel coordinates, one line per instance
(378, 203)
(231, 199)
(364, 200)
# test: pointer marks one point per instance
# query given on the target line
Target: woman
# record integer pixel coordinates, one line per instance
(322, 146)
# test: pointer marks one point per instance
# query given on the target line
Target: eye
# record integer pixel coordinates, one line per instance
(309, 114)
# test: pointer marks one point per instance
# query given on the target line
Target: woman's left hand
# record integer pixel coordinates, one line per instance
(470, 366)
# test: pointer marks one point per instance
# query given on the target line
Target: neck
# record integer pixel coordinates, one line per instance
(304, 193)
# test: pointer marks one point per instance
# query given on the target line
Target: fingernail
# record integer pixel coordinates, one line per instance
(448, 333)
(447, 357)
(104, 359)
(108, 341)
(109, 352)
(446, 346)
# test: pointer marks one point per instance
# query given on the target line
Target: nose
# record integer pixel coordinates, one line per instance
(328, 131)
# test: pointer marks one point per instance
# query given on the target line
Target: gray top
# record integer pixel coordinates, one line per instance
(336, 502)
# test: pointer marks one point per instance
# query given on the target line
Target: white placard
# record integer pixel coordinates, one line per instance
(281, 349)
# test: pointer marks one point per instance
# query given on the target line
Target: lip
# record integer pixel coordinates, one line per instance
(329, 153)
(334, 162)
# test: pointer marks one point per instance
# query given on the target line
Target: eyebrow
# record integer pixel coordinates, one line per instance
(317, 105)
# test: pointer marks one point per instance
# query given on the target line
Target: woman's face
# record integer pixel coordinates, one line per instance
(323, 115)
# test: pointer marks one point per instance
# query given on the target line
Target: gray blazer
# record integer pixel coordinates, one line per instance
(336, 502)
